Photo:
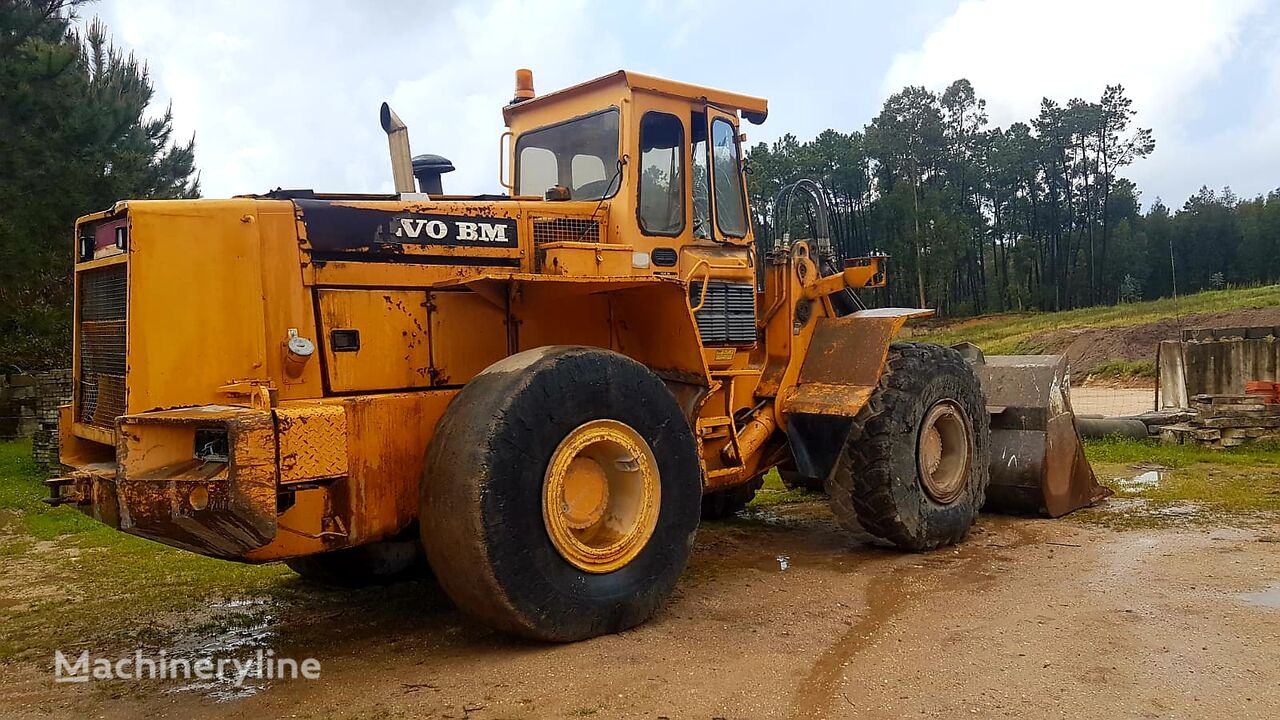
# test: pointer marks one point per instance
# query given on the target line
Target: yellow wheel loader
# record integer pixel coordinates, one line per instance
(540, 391)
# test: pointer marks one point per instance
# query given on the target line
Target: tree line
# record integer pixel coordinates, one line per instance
(1033, 216)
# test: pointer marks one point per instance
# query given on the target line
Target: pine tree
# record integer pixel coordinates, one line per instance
(75, 137)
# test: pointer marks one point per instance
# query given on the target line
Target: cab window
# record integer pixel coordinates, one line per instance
(661, 199)
(581, 154)
(701, 177)
(731, 216)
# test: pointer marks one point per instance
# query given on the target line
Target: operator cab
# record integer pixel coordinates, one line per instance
(665, 153)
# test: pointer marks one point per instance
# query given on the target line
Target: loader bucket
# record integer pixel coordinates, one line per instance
(1038, 465)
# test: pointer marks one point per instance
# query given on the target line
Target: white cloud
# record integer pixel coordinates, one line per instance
(289, 95)
(455, 109)
(1017, 51)
(1166, 53)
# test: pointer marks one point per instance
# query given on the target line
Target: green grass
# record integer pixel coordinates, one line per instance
(1115, 451)
(774, 492)
(1236, 486)
(1125, 370)
(21, 490)
(1022, 333)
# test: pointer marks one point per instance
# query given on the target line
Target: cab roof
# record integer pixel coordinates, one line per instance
(753, 109)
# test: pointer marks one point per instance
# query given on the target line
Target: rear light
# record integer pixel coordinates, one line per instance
(103, 239)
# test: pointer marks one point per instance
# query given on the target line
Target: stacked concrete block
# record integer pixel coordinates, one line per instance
(53, 390)
(1226, 421)
(17, 406)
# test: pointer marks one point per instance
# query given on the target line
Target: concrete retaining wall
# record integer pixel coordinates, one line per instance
(1215, 362)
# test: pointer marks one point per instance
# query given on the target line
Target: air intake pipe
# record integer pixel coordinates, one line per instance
(398, 141)
(428, 169)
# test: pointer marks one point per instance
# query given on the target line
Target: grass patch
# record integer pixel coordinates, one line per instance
(766, 498)
(1195, 487)
(1224, 489)
(775, 492)
(1017, 333)
(21, 492)
(1124, 370)
(72, 582)
(1115, 451)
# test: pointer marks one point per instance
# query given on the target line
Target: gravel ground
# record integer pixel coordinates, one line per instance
(780, 616)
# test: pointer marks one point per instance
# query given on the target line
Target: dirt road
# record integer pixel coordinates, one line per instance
(780, 617)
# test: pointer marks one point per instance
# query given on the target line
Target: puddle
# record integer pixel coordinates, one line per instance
(1141, 513)
(790, 515)
(237, 631)
(835, 556)
(1137, 483)
(1269, 598)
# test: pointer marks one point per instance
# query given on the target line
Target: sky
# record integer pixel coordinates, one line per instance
(285, 93)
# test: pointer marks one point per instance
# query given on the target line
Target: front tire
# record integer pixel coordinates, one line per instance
(914, 469)
(560, 494)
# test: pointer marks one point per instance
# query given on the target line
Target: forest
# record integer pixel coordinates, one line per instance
(1034, 216)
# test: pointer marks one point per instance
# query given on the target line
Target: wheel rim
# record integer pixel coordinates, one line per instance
(601, 495)
(943, 451)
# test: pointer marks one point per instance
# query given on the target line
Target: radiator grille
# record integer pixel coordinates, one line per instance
(100, 390)
(728, 315)
(547, 230)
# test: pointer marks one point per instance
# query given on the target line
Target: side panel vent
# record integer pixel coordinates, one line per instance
(728, 316)
(665, 257)
(100, 390)
(548, 230)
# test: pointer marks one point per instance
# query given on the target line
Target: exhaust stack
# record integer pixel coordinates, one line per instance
(398, 141)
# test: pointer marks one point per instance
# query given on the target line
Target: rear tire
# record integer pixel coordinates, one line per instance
(878, 485)
(373, 564)
(485, 517)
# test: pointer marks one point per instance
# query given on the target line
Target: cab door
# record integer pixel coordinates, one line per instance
(721, 275)
(728, 190)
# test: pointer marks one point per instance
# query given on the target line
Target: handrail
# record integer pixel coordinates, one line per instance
(706, 281)
(509, 184)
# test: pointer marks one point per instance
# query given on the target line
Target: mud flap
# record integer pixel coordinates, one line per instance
(1038, 466)
(841, 370)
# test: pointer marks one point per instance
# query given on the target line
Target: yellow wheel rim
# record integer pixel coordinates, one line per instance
(601, 495)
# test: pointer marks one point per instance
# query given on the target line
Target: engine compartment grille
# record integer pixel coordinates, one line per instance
(100, 387)
(728, 315)
(547, 230)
